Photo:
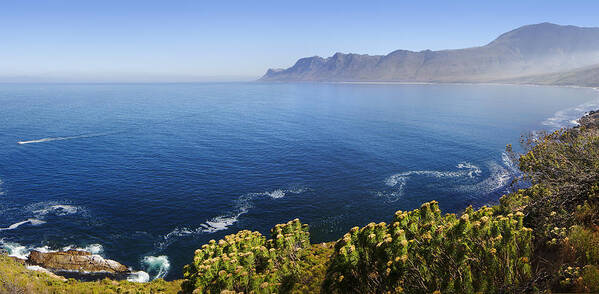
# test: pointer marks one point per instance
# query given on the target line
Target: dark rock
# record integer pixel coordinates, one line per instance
(590, 120)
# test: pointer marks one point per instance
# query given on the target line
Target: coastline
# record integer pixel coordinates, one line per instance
(596, 88)
(431, 83)
(53, 278)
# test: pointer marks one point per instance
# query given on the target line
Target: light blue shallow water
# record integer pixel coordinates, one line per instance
(145, 174)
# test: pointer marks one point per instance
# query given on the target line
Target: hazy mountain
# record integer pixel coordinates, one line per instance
(529, 50)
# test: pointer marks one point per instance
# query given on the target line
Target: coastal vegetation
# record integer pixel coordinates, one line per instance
(544, 238)
(16, 279)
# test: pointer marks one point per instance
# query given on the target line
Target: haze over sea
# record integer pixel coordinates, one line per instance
(147, 173)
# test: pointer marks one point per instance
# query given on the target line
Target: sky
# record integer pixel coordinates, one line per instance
(171, 41)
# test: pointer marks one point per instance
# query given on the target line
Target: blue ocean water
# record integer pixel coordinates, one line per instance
(146, 173)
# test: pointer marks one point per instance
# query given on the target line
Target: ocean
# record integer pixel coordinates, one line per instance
(146, 173)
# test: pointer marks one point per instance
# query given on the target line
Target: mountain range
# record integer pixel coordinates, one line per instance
(543, 53)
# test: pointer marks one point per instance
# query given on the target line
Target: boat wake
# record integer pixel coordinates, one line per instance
(242, 205)
(32, 221)
(50, 139)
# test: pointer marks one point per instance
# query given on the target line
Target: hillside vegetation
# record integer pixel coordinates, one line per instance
(544, 238)
(16, 279)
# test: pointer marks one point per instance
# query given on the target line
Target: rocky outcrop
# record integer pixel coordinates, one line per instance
(590, 120)
(76, 261)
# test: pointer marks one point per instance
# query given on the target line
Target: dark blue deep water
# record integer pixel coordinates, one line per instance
(146, 173)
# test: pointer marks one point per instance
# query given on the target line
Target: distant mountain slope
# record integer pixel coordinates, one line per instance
(585, 77)
(529, 50)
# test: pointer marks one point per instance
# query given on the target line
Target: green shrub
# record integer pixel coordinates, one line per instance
(590, 279)
(585, 243)
(423, 251)
(15, 278)
(247, 262)
(566, 163)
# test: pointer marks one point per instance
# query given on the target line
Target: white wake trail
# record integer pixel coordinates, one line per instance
(32, 221)
(50, 139)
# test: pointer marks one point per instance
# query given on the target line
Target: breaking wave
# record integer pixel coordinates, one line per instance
(15, 249)
(242, 205)
(138, 277)
(96, 249)
(156, 266)
(50, 139)
(569, 117)
(22, 252)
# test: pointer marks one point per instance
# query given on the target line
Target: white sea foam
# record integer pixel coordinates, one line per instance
(20, 251)
(50, 139)
(96, 249)
(32, 221)
(509, 163)
(499, 178)
(41, 210)
(15, 249)
(465, 169)
(278, 193)
(399, 181)
(138, 277)
(501, 175)
(156, 266)
(222, 222)
(569, 117)
(58, 209)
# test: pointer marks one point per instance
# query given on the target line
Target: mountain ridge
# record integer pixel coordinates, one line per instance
(525, 51)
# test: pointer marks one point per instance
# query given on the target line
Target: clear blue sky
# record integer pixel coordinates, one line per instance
(206, 40)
